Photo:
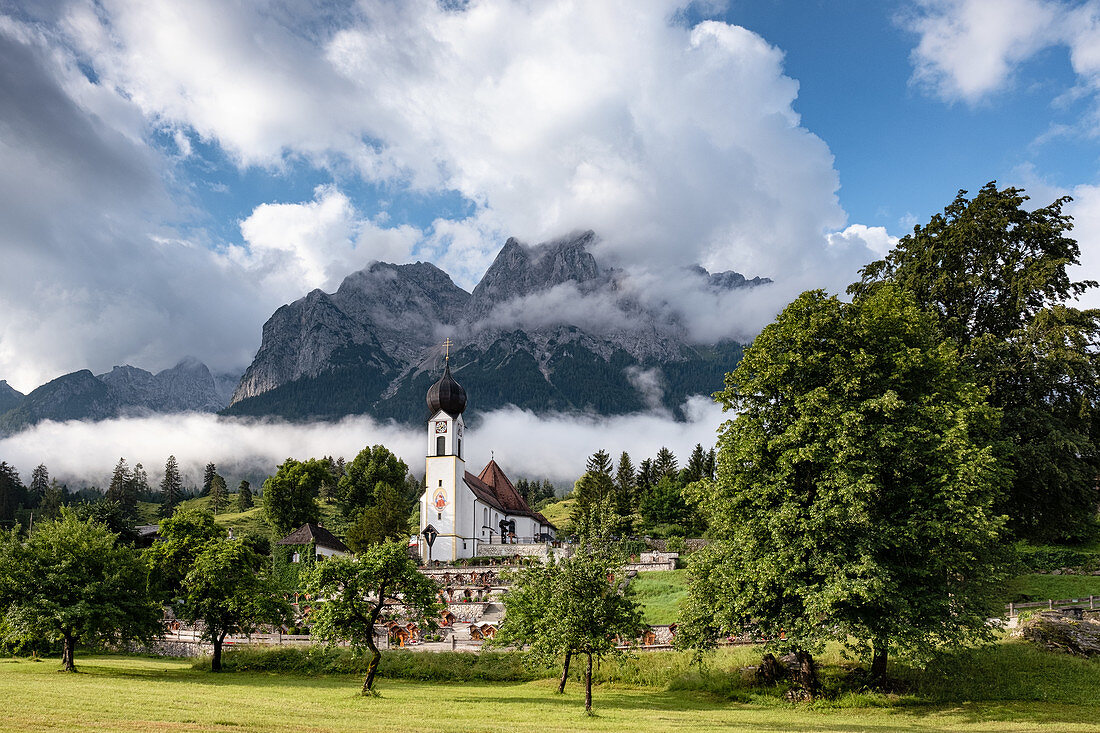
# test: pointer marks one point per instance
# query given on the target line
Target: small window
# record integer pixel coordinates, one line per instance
(463, 544)
(441, 483)
(440, 446)
(439, 515)
(459, 451)
(296, 558)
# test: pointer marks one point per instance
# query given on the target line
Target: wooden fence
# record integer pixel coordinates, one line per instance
(1015, 608)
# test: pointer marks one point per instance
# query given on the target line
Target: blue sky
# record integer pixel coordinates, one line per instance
(174, 171)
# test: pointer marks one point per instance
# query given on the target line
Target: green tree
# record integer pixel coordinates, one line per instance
(171, 486)
(647, 477)
(696, 468)
(570, 609)
(40, 484)
(855, 489)
(374, 465)
(52, 501)
(121, 488)
(387, 518)
(599, 462)
(996, 277)
(139, 484)
(244, 496)
(352, 596)
(208, 475)
(111, 514)
(667, 511)
(225, 593)
(665, 464)
(72, 581)
(219, 493)
(626, 485)
(290, 496)
(183, 536)
(12, 493)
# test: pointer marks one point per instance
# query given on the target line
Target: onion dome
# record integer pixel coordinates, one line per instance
(447, 395)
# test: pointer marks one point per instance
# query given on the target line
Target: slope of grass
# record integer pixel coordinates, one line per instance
(1037, 587)
(659, 594)
(558, 514)
(129, 693)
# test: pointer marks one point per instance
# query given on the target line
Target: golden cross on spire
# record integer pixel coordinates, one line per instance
(447, 349)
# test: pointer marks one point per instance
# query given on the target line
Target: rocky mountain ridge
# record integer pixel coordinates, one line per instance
(546, 328)
(189, 386)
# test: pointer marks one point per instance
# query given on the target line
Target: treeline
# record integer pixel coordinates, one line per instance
(619, 499)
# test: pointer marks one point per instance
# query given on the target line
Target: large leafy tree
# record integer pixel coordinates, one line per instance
(387, 518)
(72, 581)
(855, 488)
(290, 496)
(357, 487)
(225, 593)
(183, 537)
(578, 607)
(352, 596)
(996, 276)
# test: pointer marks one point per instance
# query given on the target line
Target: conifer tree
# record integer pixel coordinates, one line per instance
(647, 477)
(599, 462)
(208, 478)
(121, 489)
(218, 493)
(697, 465)
(244, 497)
(40, 484)
(139, 483)
(171, 486)
(665, 464)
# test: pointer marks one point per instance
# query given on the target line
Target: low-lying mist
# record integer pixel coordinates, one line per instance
(524, 443)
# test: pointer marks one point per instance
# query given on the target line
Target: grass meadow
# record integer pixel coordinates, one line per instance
(1008, 687)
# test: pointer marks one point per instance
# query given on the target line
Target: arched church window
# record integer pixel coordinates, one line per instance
(440, 446)
(459, 451)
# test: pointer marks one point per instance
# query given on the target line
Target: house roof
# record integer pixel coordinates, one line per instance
(494, 488)
(315, 533)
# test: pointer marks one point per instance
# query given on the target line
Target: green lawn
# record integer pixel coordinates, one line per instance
(659, 594)
(1037, 587)
(558, 514)
(145, 694)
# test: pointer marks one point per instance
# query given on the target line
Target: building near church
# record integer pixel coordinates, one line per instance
(460, 511)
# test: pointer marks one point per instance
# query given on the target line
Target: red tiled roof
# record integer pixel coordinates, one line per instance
(510, 499)
(482, 491)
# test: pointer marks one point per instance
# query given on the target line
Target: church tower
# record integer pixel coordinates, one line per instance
(443, 504)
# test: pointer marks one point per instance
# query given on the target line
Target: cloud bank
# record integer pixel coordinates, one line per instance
(525, 444)
(678, 144)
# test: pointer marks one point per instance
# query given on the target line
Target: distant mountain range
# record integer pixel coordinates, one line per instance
(125, 390)
(546, 329)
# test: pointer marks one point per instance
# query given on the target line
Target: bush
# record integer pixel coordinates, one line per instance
(395, 664)
(1045, 558)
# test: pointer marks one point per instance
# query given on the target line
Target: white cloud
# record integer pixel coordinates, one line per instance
(676, 144)
(862, 237)
(87, 452)
(315, 244)
(970, 49)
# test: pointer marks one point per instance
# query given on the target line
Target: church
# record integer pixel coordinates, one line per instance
(459, 511)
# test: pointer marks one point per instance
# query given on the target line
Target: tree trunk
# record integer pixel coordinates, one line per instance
(588, 685)
(878, 661)
(807, 673)
(216, 662)
(564, 672)
(372, 667)
(67, 649)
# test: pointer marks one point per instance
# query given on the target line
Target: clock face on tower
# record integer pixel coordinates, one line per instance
(440, 426)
